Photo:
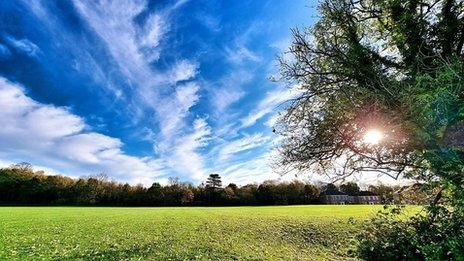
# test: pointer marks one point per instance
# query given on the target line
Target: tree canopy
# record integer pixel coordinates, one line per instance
(394, 66)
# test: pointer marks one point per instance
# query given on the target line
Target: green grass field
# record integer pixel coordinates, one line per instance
(219, 233)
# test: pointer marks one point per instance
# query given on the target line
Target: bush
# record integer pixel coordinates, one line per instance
(435, 234)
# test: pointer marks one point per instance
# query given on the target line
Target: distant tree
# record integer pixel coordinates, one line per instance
(214, 181)
(386, 193)
(228, 196)
(187, 196)
(311, 193)
(350, 188)
(22, 166)
(22, 186)
(155, 194)
(248, 194)
(138, 195)
(294, 192)
(172, 181)
(330, 188)
(233, 187)
(266, 192)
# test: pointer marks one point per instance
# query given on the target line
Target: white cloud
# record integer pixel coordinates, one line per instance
(84, 59)
(150, 35)
(211, 22)
(135, 46)
(240, 53)
(271, 122)
(174, 109)
(185, 150)
(24, 46)
(130, 45)
(43, 133)
(87, 147)
(224, 97)
(5, 163)
(282, 45)
(183, 70)
(178, 4)
(254, 170)
(269, 104)
(241, 145)
(229, 89)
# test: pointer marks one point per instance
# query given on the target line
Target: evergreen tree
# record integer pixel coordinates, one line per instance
(214, 181)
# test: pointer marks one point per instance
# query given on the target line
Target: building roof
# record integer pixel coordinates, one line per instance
(366, 193)
(333, 193)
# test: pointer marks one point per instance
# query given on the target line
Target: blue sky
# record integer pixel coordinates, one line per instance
(144, 90)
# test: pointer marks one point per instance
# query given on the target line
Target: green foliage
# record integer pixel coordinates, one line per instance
(436, 101)
(395, 66)
(190, 233)
(22, 186)
(214, 181)
(386, 193)
(350, 188)
(395, 236)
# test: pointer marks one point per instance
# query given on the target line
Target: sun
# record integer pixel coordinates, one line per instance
(373, 137)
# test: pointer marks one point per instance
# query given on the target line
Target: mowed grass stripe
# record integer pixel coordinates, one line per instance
(189, 233)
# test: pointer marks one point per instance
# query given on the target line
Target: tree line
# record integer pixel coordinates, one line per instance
(20, 185)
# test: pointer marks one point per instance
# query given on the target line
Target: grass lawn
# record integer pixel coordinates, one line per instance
(218, 233)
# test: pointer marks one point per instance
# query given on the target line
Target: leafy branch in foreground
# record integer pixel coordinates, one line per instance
(387, 65)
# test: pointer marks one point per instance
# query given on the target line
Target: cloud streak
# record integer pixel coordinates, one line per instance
(268, 105)
(24, 46)
(185, 151)
(241, 145)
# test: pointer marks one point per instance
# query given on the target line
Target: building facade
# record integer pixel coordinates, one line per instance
(340, 198)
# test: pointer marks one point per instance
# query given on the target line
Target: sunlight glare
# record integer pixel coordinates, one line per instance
(373, 137)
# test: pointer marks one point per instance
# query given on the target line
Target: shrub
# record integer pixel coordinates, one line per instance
(436, 233)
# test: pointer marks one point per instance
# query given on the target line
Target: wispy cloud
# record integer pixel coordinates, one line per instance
(185, 157)
(135, 46)
(85, 60)
(183, 70)
(24, 46)
(150, 35)
(229, 89)
(45, 133)
(269, 104)
(132, 46)
(240, 53)
(174, 110)
(224, 97)
(211, 22)
(254, 170)
(241, 145)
